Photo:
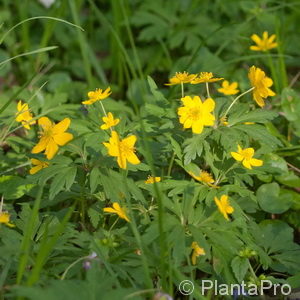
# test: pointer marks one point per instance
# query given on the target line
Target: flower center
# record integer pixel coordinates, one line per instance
(246, 154)
(46, 133)
(125, 149)
(206, 75)
(195, 113)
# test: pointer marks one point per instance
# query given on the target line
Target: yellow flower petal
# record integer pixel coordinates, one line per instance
(246, 164)
(63, 138)
(256, 162)
(35, 169)
(209, 105)
(51, 149)
(237, 156)
(45, 123)
(62, 126)
(117, 209)
(41, 146)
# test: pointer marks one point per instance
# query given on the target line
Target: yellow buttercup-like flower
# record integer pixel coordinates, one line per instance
(52, 136)
(38, 165)
(196, 114)
(97, 95)
(122, 149)
(5, 218)
(265, 43)
(117, 209)
(24, 115)
(109, 121)
(245, 156)
(205, 77)
(180, 78)
(261, 84)
(197, 251)
(228, 88)
(152, 179)
(224, 206)
(203, 177)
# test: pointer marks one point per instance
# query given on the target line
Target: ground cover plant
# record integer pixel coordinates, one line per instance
(147, 143)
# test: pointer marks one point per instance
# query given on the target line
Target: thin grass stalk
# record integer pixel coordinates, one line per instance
(82, 43)
(46, 247)
(26, 242)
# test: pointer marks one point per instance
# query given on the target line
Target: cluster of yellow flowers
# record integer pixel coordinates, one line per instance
(194, 113)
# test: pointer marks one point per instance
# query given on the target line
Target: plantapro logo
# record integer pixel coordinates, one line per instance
(186, 287)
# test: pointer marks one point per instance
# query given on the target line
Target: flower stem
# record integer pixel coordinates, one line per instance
(182, 90)
(113, 225)
(104, 111)
(207, 89)
(171, 164)
(72, 265)
(1, 204)
(236, 99)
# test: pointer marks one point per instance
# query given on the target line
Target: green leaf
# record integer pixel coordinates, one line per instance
(271, 200)
(94, 216)
(14, 187)
(239, 267)
(176, 148)
(65, 178)
(94, 179)
(70, 177)
(257, 115)
(260, 133)
(291, 180)
(194, 146)
(153, 88)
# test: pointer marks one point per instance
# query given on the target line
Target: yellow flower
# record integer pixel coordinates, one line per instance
(261, 84)
(203, 177)
(152, 179)
(249, 123)
(224, 206)
(39, 165)
(117, 209)
(205, 77)
(195, 114)
(245, 155)
(228, 89)
(197, 251)
(4, 219)
(24, 115)
(52, 136)
(109, 121)
(122, 149)
(264, 44)
(97, 95)
(180, 78)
